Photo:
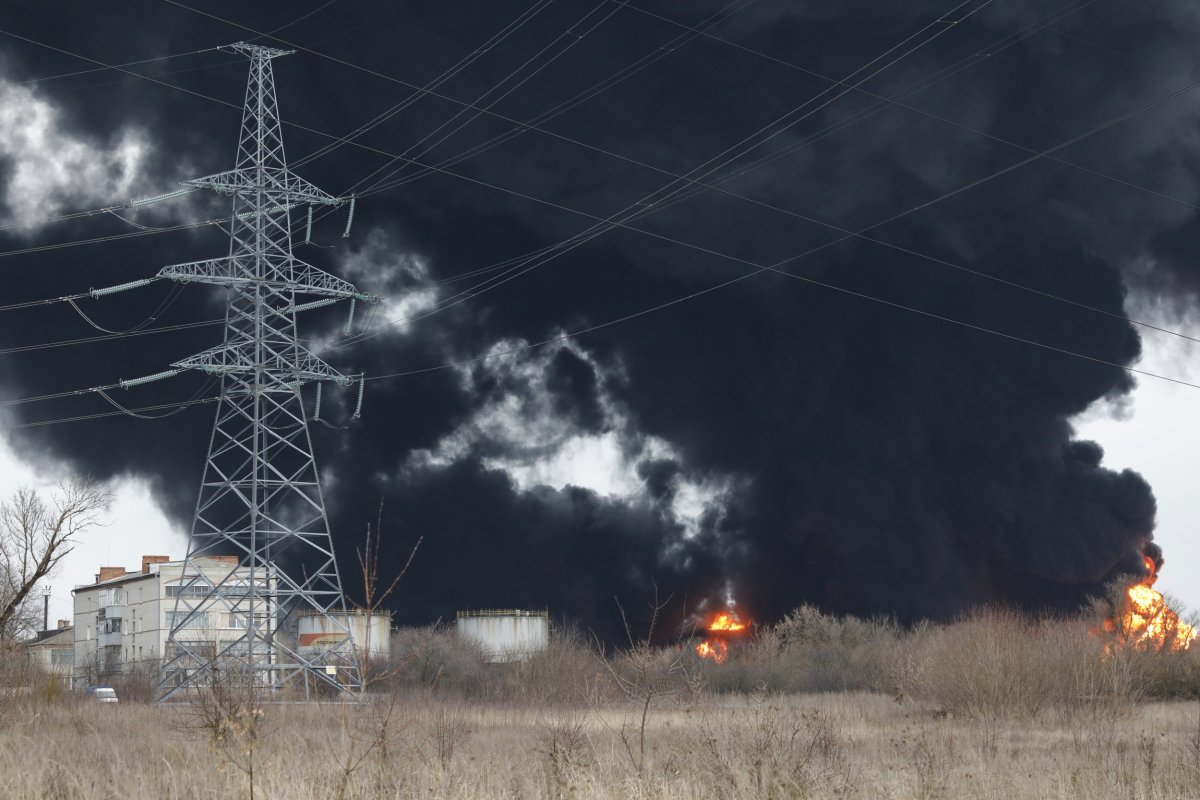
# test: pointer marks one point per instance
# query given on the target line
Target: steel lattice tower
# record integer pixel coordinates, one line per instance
(260, 498)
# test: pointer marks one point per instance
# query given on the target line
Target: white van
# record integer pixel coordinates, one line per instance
(101, 694)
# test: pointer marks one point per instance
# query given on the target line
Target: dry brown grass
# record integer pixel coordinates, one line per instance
(759, 746)
(994, 706)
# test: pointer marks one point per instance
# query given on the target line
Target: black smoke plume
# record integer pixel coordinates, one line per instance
(773, 439)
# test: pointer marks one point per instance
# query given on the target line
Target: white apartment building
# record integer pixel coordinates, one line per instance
(125, 618)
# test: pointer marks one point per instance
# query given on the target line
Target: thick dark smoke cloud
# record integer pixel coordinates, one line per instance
(775, 440)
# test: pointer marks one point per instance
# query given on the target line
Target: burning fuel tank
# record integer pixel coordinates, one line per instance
(506, 634)
(316, 633)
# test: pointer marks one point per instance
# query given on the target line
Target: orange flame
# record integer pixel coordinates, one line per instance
(714, 650)
(722, 626)
(1145, 621)
(726, 622)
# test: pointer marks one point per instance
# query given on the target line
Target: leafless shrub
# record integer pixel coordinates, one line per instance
(227, 709)
(997, 664)
(365, 732)
(643, 673)
(565, 674)
(780, 751)
(436, 659)
(137, 683)
(446, 731)
(566, 749)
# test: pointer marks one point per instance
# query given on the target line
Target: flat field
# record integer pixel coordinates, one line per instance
(829, 745)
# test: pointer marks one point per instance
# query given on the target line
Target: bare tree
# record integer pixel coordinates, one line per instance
(375, 594)
(35, 536)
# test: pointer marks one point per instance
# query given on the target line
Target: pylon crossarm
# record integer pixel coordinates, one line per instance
(302, 366)
(235, 271)
(279, 185)
(254, 51)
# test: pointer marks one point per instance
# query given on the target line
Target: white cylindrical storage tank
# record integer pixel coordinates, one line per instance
(372, 633)
(506, 634)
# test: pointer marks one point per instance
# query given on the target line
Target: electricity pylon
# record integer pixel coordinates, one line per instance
(260, 498)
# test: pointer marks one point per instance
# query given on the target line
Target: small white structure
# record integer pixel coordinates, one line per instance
(506, 634)
(53, 652)
(372, 634)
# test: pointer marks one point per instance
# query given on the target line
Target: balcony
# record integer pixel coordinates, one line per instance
(109, 639)
(113, 612)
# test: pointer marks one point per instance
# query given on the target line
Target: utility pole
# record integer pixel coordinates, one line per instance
(46, 608)
(260, 498)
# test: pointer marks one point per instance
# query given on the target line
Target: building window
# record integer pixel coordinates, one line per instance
(198, 620)
(195, 589)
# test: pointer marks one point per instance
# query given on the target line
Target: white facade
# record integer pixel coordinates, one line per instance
(125, 618)
(506, 635)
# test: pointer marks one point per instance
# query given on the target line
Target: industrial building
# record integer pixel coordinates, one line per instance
(125, 618)
(506, 634)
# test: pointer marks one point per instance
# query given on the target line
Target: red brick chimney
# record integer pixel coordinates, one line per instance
(108, 573)
(148, 560)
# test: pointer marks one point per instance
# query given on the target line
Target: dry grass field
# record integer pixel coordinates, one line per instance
(820, 746)
(994, 706)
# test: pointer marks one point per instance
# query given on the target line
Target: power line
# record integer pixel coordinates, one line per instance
(861, 234)
(1109, 124)
(105, 68)
(913, 109)
(569, 36)
(728, 155)
(126, 412)
(109, 337)
(613, 79)
(512, 27)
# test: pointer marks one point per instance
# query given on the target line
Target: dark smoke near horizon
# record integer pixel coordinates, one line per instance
(772, 439)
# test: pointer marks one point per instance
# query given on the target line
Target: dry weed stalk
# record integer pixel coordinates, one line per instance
(1192, 746)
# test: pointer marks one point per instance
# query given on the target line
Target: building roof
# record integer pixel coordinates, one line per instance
(154, 570)
(64, 637)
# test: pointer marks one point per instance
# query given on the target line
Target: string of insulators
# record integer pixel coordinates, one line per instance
(158, 376)
(122, 287)
(308, 229)
(158, 198)
(276, 210)
(317, 409)
(350, 319)
(362, 385)
(328, 301)
(349, 217)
